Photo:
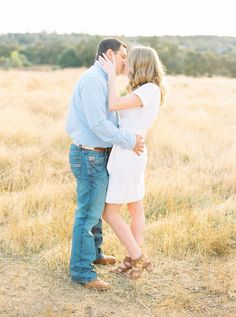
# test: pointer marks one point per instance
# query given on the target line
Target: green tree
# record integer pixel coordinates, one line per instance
(4, 62)
(230, 64)
(15, 59)
(190, 55)
(86, 51)
(193, 64)
(70, 58)
(18, 60)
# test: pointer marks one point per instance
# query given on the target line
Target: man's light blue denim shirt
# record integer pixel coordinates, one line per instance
(90, 123)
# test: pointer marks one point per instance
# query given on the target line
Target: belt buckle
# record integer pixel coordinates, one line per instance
(104, 150)
(92, 148)
(88, 148)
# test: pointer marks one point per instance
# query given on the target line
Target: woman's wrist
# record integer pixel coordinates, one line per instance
(111, 75)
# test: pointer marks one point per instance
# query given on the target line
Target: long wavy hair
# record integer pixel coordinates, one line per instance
(145, 67)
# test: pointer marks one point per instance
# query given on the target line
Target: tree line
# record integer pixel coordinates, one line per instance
(188, 55)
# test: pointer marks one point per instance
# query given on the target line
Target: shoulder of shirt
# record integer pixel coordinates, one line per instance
(90, 75)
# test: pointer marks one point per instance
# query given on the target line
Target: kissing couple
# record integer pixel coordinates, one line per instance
(108, 157)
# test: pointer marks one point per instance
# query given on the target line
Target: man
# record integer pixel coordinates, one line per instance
(94, 130)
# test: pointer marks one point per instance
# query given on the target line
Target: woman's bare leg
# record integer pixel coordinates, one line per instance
(112, 216)
(137, 224)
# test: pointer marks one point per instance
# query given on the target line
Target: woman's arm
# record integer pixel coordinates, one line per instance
(114, 101)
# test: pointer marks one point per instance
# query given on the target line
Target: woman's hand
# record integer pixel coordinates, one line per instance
(109, 66)
(126, 70)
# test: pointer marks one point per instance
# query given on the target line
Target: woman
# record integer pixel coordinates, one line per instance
(136, 112)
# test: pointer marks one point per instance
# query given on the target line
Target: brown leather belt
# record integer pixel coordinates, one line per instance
(98, 149)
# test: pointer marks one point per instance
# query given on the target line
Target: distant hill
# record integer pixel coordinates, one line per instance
(189, 55)
(214, 44)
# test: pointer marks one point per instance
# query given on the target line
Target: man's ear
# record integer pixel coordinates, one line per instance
(109, 53)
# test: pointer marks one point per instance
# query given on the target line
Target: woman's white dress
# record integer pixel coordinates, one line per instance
(126, 169)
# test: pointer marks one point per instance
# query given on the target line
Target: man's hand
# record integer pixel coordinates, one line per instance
(139, 146)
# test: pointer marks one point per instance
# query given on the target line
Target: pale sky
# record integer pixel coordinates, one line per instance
(123, 17)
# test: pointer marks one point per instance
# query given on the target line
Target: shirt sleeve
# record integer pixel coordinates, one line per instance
(93, 98)
(149, 93)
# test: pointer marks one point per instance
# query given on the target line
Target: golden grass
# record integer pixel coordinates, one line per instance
(191, 171)
(190, 180)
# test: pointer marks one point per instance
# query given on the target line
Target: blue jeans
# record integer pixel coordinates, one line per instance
(89, 169)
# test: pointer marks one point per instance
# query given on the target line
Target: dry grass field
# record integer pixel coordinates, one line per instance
(190, 204)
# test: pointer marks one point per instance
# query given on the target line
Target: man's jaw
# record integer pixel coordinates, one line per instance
(121, 71)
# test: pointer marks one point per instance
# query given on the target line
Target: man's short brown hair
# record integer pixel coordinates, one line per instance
(109, 43)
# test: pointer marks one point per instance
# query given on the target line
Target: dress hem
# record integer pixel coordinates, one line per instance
(124, 202)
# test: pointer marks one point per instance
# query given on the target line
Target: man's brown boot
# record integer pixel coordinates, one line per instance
(107, 259)
(97, 284)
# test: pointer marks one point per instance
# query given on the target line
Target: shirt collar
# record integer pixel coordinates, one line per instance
(101, 70)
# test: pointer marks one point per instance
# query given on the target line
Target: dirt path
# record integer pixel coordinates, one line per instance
(179, 288)
(27, 291)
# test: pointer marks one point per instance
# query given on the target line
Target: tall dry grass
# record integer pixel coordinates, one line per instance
(190, 180)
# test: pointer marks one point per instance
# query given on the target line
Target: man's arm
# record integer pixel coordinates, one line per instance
(93, 98)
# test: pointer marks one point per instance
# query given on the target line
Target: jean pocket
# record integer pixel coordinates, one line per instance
(75, 164)
(97, 159)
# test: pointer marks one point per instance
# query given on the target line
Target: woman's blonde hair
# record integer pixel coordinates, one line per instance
(145, 67)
